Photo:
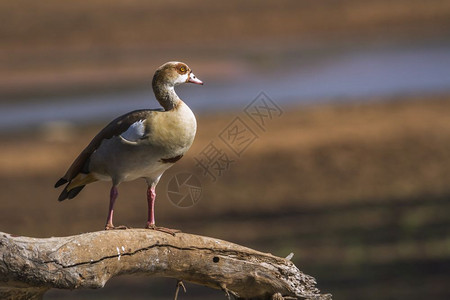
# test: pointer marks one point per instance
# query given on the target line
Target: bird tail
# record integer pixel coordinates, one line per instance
(74, 186)
(60, 182)
(69, 194)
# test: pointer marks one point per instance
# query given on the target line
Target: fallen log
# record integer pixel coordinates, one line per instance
(31, 266)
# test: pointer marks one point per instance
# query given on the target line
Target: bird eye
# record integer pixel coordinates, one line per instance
(182, 69)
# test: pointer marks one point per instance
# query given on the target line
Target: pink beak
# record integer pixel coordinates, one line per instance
(194, 79)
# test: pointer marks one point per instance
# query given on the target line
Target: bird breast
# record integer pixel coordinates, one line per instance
(173, 130)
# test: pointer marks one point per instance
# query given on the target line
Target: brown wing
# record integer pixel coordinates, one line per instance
(115, 128)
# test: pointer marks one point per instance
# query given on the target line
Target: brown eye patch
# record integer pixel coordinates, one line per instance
(182, 68)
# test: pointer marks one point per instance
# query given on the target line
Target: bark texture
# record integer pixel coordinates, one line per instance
(31, 266)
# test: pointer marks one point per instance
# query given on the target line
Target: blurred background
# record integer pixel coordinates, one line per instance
(352, 174)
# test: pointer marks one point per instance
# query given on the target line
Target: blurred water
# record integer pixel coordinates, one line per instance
(357, 74)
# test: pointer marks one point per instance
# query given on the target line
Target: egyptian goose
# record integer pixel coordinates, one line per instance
(140, 144)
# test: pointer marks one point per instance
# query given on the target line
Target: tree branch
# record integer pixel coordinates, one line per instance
(31, 266)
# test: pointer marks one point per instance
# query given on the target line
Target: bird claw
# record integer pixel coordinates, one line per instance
(112, 227)
(163, 229)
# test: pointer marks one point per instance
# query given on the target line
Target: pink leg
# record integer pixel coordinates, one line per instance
(112, 199)
(151, 196)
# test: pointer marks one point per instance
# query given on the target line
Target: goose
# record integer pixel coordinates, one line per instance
(140, 144)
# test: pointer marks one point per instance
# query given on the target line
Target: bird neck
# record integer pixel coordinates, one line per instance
(166, 95)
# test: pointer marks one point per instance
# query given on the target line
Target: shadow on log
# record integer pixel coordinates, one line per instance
(31, 266)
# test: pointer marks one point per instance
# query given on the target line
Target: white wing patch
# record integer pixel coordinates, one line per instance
(135, 132)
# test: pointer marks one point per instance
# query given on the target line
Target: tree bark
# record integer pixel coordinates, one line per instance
(31, 266)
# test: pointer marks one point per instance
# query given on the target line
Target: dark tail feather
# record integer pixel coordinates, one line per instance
(65, 194)
(60, 182)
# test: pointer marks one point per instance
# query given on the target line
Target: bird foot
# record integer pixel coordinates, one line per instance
(112, 227)
(163, 229)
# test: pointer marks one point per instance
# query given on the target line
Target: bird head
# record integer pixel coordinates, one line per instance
(174, 73)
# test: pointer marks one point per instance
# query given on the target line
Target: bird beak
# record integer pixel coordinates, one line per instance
(194, 79)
